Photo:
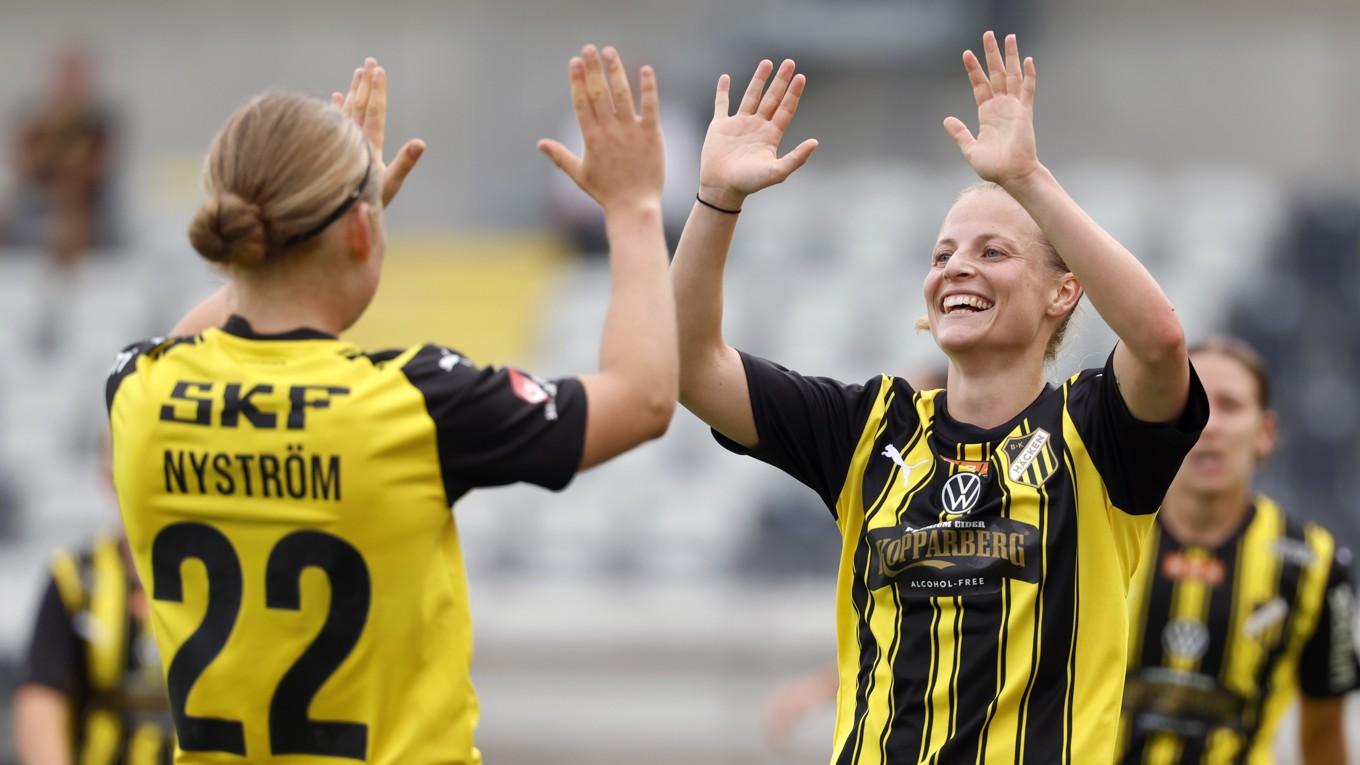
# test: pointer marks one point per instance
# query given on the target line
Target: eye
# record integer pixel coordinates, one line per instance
(993, 253)
(941, 258)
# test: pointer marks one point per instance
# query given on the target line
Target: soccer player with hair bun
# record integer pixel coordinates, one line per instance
(1238, 608)
(287, 495)
(990, 527)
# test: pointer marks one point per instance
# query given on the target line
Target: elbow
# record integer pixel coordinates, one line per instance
(1164, 343)
(655, 412)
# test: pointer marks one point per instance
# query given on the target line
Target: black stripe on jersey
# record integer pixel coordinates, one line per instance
(1055, 620)
(927, 727)
(1220, 610)
(378, 358)
(1068, 716)
(1003, 644)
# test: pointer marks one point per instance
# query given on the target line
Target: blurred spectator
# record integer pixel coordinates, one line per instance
(61, 155)
(92, 691)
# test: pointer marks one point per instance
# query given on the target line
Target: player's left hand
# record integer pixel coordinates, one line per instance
(1004, 150)
(366, 104)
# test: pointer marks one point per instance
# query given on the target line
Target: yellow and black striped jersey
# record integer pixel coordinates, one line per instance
(286, 499)
(1223, 639)
(980, 599)
(89, 647)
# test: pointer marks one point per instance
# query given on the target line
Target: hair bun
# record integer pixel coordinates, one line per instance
(229, 230)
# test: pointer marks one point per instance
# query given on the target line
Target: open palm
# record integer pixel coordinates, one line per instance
(740, 154)
(1004, 149)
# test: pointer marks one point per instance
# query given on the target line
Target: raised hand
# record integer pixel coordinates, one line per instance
(740, 150)
(1003, 151)
(366, 104)
(624, 161)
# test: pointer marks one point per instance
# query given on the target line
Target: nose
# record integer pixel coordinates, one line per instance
(959, 265)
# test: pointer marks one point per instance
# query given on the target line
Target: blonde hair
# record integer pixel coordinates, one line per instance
(1054, 261)
(276, 170)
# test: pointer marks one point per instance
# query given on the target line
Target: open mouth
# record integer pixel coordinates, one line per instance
(965, 304)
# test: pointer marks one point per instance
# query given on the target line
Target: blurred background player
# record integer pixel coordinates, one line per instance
(1237, 606)
(92, 690)
(62, 155)
(962, 637)
(288, 495)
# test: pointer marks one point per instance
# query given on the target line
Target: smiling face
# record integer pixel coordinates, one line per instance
(1240, 432)
(994, 286)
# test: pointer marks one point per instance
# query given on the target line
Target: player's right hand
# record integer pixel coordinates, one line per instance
(740, 150)
(623, 165)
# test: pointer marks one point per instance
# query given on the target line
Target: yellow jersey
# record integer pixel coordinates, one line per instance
(287, 502)
(1224, 638)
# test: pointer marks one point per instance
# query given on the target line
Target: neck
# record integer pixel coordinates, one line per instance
(988, 391)
(1202, 519)
(273, 307)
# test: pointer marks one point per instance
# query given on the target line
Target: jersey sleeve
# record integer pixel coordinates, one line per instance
(806, 426)
(496, 426)
(54, 657)
(125, 363)
(1137, 460)
(1328, 666)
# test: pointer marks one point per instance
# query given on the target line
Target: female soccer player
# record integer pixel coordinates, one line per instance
(286, 495)
(990, 528)
(1237, 606)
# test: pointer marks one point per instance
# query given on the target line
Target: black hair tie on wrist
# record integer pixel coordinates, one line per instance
(339, 211)
(701, 201)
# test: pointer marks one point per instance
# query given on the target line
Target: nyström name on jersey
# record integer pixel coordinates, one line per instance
(294, 475)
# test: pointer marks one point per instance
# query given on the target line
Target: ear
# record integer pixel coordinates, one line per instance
(359, 231)
(1066, 296)
(1267, 435)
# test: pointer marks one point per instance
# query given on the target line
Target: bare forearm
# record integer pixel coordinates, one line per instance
(1322, 739)
(636, 345)
(697, 274)
(1120, 288)
(41, 720)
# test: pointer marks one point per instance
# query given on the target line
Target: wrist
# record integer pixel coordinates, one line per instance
(717, 196)
(633, 208)
(1028, 182)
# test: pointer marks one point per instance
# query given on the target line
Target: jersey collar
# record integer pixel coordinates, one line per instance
(238, 326)
(241, 328)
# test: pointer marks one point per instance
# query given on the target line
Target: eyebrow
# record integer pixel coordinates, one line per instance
(987, 237)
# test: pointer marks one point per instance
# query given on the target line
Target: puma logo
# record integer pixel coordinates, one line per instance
(891, 453)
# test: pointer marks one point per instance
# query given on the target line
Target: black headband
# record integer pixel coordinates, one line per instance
(339, 211)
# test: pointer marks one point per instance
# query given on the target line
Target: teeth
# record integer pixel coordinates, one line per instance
(966, 301)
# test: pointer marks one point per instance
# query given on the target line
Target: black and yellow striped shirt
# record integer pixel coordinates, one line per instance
(1223, 639)
(980, 599)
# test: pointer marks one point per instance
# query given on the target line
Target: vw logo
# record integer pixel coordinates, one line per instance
(1185, 639)
(961, 493)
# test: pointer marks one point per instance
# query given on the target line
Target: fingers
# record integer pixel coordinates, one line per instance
(776, 91)
(618, 83)
(651, 99)
(359, 109)
(400, 167)
(585, 113)
(348, 106)
(959, 132)
(722, 106)
(338, 100)
(996, 69)
(1013, 77)
(564, 159)
(1027, 91)
(785, 165)
(788, 106)
(982, 89)
(751, 99)
(375, 113)
(600, 99)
